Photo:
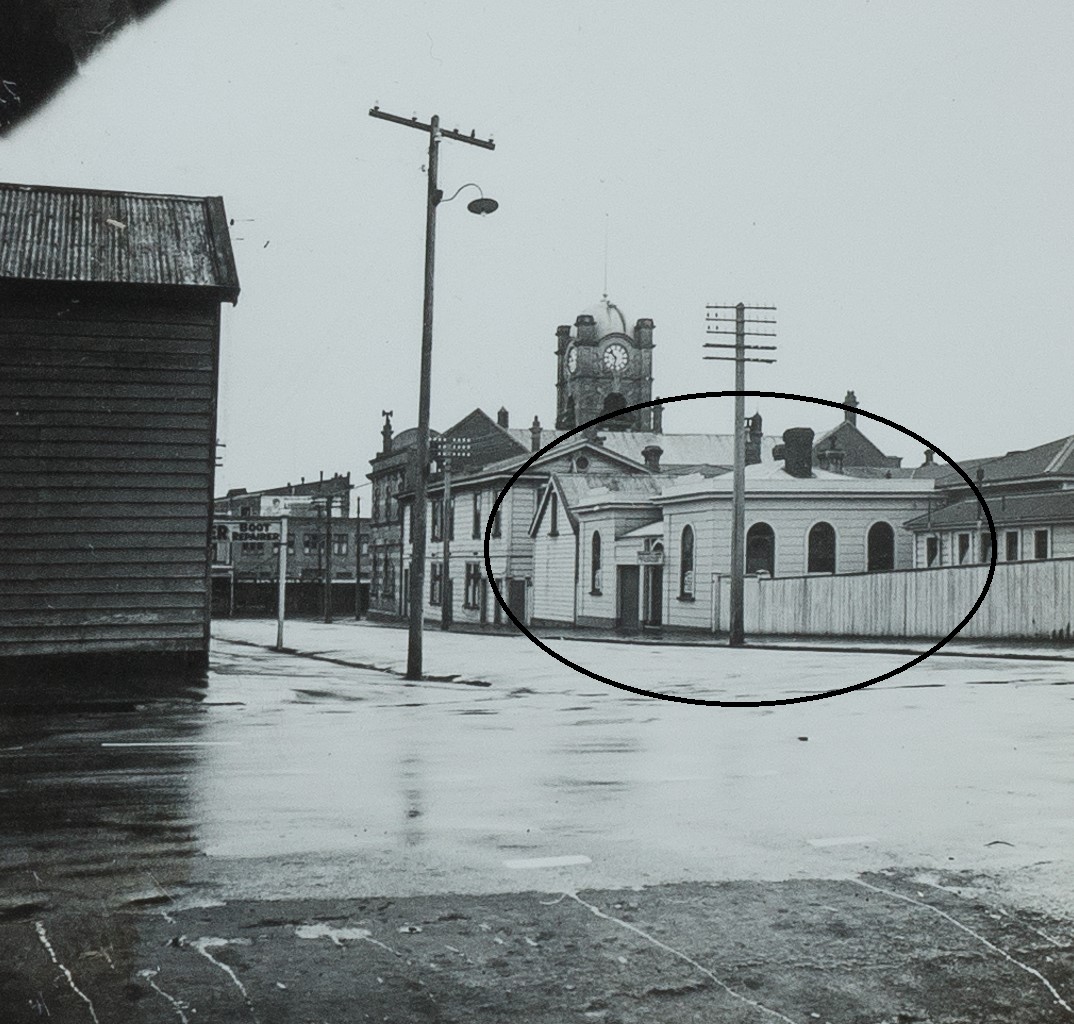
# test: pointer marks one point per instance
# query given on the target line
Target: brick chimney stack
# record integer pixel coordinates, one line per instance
(851, 400)
(651, 454)
(535, 435)
(754, 436)
(386, 431)
(503, 418)
(798, 452)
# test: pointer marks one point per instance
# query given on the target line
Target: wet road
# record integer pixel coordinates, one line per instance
(304, 777)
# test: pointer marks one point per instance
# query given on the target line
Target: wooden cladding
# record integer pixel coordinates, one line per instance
(107, 448)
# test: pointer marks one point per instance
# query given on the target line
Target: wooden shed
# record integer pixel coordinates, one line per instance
(109, 344)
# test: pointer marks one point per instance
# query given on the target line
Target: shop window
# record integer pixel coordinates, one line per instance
(686, 564)
(1040, 543)
(821, 553)
(761, 549)
(475, 523)
(963, 548)
(436, 509)
(1010, 542)
(595, 574)
(472, 596)
(881, 545)
(932, 550)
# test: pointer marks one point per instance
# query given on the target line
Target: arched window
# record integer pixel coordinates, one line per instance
(595, 575)
(821, 548)
(613, 401)
(881, 544)
(761, 549)
(686, 562)
(569, 416)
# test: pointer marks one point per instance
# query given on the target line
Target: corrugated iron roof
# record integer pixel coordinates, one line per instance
(1047, 508)
(98, 237)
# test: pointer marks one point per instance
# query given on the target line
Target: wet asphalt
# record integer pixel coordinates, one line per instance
(133, 831)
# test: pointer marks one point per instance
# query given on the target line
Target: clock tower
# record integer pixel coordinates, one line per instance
(602, 365)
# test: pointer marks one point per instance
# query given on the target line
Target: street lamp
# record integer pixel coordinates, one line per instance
(482, 206)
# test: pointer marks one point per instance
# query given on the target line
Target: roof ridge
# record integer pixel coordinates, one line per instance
(1061, 456)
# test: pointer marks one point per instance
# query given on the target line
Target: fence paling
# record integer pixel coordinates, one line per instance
(1026, 600)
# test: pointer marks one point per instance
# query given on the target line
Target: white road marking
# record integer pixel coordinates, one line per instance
(547, 862)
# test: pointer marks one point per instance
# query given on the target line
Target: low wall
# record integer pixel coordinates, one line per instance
(1027, 600)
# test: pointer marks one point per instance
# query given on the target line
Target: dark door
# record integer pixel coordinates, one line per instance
(654, 595)
(628, 598)
(516, 598)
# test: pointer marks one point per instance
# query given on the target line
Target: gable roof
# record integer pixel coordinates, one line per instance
(1046, 509)
(583, 490)
(857, 448)
(1053, 460)
(88, 236)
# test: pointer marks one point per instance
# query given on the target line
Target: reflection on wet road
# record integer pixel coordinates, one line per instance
(303, 777)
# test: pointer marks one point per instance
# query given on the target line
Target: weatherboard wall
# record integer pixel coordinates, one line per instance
(107, 452)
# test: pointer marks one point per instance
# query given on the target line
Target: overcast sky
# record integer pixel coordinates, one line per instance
(896, 178)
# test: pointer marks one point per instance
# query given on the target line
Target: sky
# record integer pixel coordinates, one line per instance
(894, 178)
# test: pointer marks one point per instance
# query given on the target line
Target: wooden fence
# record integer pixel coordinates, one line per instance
(1027, 600)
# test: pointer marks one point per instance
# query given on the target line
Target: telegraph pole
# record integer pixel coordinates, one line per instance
(328, 558)
(421, 448)
(449, 448)
(736, 630)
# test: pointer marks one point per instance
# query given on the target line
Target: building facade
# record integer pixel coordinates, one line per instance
(109, 349)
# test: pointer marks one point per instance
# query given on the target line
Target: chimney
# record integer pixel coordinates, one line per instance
(563, 337)
(651, 454)
(929, 453)
(535, 434)
(850, 416)
(754, 436)
(587, 328)
(386, 432)
(658, 419)
(643, 333)
(798, 452)
(502, 418)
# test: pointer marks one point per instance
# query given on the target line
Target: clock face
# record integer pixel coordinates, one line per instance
(616, 357)
(572, 360)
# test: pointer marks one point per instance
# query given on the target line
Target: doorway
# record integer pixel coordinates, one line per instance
(628, 587)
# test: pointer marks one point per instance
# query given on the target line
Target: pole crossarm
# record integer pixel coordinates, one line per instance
(447, 133)
(735, 359)
(741, 305)
(723, 344)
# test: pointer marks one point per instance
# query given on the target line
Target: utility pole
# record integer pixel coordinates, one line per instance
(449, 448)
(421, 447)
(358, 556)
(736, 630)
(328, 557)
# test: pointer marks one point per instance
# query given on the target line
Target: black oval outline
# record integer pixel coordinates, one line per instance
(739, 703)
